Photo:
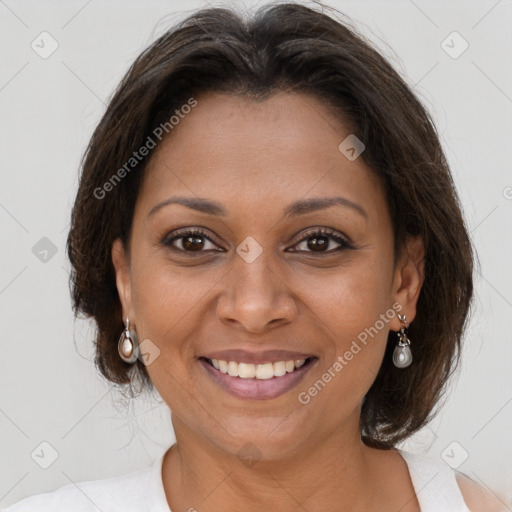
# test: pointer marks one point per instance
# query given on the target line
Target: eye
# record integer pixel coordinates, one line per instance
(319, 241)
(189, 240)
(196, 240)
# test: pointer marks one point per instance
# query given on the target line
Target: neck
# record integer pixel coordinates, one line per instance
(336, 472)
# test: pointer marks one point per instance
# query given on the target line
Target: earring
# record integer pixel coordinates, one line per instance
(402, 356)
(128, 345)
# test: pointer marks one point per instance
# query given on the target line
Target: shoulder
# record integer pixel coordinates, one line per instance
(450, 486)
(125, 492)
(65, 498)
(477, 497)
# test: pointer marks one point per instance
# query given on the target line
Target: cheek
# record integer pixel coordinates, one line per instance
(353, 307)
(352, 296)
(166, 304)
(163, 292)
(165, 301)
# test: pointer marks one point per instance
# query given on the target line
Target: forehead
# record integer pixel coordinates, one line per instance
(245, 152)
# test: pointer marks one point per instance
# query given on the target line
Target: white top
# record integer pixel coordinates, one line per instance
(143, 491)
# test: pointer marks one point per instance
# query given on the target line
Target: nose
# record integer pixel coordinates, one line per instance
(255, 298)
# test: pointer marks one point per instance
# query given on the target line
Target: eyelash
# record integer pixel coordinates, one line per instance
(321, 232)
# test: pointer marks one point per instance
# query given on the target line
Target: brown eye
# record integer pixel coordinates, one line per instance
(319, 241)
(189, 241)
(193, 242)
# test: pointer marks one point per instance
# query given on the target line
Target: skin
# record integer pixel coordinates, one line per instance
(480, 498)
(256, 158)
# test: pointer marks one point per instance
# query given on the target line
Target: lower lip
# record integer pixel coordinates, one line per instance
(257, 389)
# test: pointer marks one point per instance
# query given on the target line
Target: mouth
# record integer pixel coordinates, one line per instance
(257, 381)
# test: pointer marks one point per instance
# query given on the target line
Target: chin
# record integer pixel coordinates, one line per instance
(264, 439)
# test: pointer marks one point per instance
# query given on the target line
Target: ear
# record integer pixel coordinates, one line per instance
(408, 279)
(123, 283)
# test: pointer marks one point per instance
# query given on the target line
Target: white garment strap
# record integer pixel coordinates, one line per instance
(435, 484)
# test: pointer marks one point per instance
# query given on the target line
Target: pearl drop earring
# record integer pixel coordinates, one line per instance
(128, 345)
(402, 356)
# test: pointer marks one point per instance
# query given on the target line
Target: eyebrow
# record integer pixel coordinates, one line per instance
(301, 207)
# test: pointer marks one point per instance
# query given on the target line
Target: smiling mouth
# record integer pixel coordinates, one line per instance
(262, 371)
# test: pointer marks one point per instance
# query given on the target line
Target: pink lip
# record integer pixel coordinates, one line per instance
(257, 389)
(265, 356)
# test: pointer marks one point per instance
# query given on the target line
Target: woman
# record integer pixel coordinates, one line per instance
(267, 220)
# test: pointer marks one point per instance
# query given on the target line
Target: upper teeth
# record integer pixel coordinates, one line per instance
(258, 371)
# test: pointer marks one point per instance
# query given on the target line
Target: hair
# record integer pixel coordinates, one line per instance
(286, 48)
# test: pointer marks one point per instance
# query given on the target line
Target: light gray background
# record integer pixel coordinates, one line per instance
(50, 391)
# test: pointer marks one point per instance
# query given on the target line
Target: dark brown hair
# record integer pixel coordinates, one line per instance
(287, 47)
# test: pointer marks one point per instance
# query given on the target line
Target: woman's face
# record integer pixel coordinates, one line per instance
(257, 285)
